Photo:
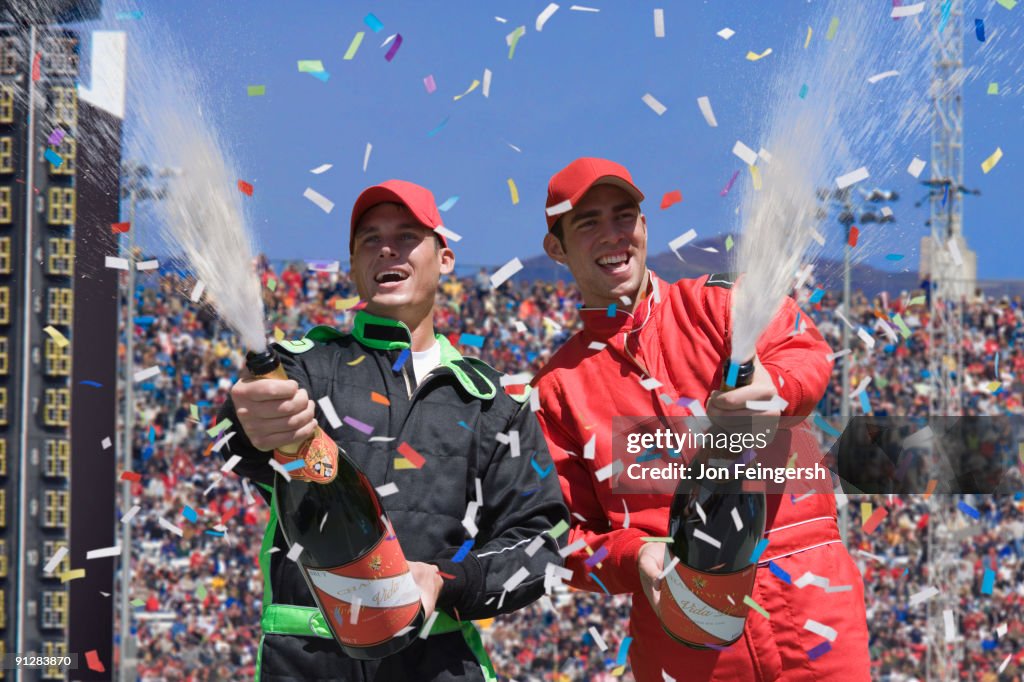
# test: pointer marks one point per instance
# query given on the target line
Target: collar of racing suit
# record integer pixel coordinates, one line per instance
(386, 334)
(599, 324)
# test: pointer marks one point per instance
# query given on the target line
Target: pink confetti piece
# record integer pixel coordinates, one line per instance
(429, 84)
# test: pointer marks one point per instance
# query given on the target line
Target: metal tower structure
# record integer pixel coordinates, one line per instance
(951, 266)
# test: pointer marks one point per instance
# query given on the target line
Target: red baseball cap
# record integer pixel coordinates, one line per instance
(419, 201)
(569, 185)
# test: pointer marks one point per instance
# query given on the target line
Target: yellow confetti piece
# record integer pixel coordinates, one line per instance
(513, 191)
(1008, 4)
(994, 386)
(865, 512)
(59, 338)
(993, 88)
(669, 540)
(73, 574)
(354, 45)
(617, 672)
(346, 303)
(1020, 452)
(990, 163)
(755, 176)
(403, 463)
(753, 56)
(808, 41)
(472, 87)
(278, 334)
(833, 26)
(949, 362)
(792, 460)
(356, 361)
(748, 600)
(728, 240)
(917, 300)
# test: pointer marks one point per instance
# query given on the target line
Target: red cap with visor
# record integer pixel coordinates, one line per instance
(569, 185)
(419, 201)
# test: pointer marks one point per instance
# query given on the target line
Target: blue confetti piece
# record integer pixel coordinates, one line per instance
(796, 324)
(465, 426)
(611, 310)
(190, 514)
(601, 584)
(623, 651)
(152, 435)
(864, 404)
(968, 509)
(402, 357)
(137, 14)
(820, 422)
(322, 75)
(373, 22)
(945, 194)
(439, 128)
(734, 371)
(543, 473)
(894, 256)
(295, 464)
(817, 295)
(759, 550)
(803, 91)
(474, 340)
(337, 616)
(779, 573)
(820, 650)
(448, 203)
(979, 30)
(988, 582)
(527, 493)
(463, 551)
(215, 533)
(946, 7)
(997, 366)
(53, 157)
(94, 384)
(648, 457)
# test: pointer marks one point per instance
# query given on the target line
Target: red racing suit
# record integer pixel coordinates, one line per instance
(680, 334)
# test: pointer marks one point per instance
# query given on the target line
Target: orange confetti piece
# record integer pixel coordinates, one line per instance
(92, 659)
(930, 489)
(245, 188)
(378, 398)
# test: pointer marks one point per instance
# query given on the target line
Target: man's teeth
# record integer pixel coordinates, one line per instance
(611, 260)
(397, 273)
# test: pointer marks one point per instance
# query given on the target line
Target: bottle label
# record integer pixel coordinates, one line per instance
(705, 608)
(379, 585)
(320, 454)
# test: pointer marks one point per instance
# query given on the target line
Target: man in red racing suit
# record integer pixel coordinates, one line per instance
(637, 327)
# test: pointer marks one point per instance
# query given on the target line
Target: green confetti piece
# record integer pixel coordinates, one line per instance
(1008, 4)
(917, 300)
(221, 426)
(754, 605)
(904, 329)
(559, 529)
(993, 88)
(256, 90)
(666, 540)
(310, 66)
(137, 602)
(513, 39)
(194, 411)
(272, 284)
(201, 593)
(833, 26)
(729, 243)
(353, 46)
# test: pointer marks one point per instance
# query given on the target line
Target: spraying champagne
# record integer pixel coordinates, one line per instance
(350, 558)
(714, 533)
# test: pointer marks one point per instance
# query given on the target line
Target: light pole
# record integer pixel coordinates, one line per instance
(135, 178)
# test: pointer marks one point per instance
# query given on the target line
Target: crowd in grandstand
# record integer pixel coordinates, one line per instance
(197, 597)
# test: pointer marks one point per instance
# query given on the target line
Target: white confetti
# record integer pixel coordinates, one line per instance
(834, 356)
(516, 579)
(954, 251)
(597, 345)
(197, 291)
(726, 33)
(581, 8)
(469, 521)
(598, 639)
(231, 463)
(882, 76)
(506, 271)
(428, 626)
(669, 568)
(572, 548)
(105, 552)
(328, 410)
(681, 241)
(147, 265)
(853, 177)
(736, 518)
(950, 623)
(700, 512)
(279, 468)
(817, 236)
(589, 447)
(116, 263)
(387, 489)
(147, 373)
(321, 169)
(515, 379)
(907, 10)
(656, 106)
(821, 630)
(105, 443)
(381, 439)
(625, 523)
(366, 155)
(222, 441)
(1001, 630)
(294, 552)
(559, 208)
(535, 545)
(650, 384)
(776, 403)
(487, 87)
(923, 596)
(705, 108)
(659, 23)
(868, 340)
(356, 606)
(763, 154)
(131, 513)
(609, 470)
(1006, 662)
(745, 153)
(55, 560)
(325, 204)
(701, 535)
(171, 527)
(543, 17)
(916, 166)
(886, 211)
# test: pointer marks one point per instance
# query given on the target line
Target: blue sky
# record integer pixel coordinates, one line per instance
(573, 89)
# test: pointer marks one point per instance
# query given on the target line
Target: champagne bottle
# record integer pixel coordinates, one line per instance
(350, 559)
(702, 598)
